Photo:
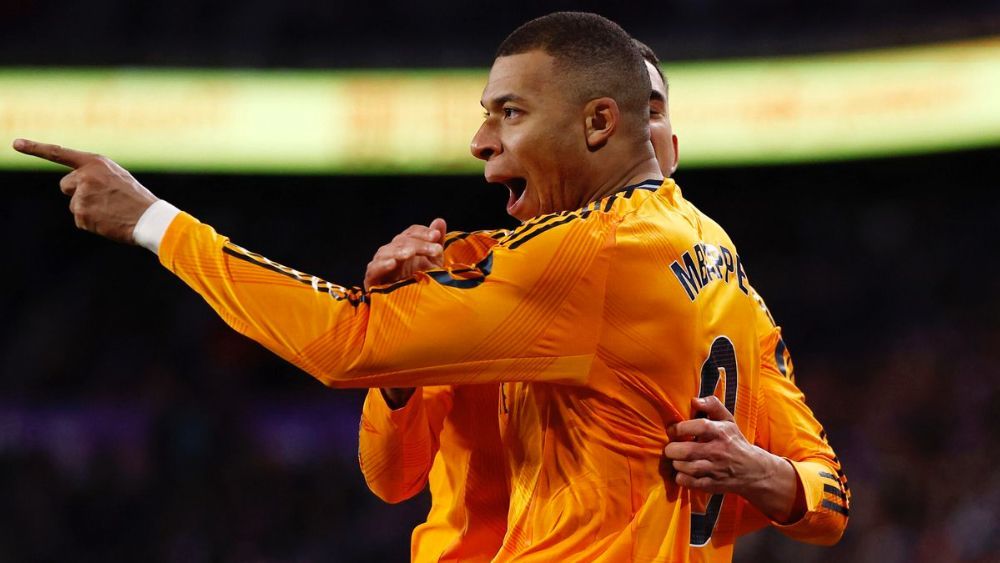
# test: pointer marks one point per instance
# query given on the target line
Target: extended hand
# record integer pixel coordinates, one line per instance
(104, 198)
(416, 249)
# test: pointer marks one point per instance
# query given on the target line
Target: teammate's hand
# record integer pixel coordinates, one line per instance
(416, 249)
(711, 454)
(104, 198)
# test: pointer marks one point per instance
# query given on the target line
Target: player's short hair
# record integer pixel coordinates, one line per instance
(649, 55)
(593, 54)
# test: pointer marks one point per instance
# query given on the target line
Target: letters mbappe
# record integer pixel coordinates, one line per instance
(710, 263)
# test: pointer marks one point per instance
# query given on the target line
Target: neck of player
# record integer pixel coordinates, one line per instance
(646, 169)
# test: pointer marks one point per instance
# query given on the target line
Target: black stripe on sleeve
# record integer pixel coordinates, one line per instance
(830, 505)
(393, 287)
(339, 293)
(834, 491)
(256, 262)
(831, 476)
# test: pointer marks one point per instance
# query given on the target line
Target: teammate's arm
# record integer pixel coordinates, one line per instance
(396, 446)
(417, 249)
(525, 314)
(400, 432)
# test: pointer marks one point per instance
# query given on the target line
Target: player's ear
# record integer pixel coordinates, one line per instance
(677, 155)
(601, 118)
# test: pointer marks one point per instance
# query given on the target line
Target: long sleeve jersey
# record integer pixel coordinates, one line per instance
(444, 438)
(788, 428)
(601, 322)
(402, 451)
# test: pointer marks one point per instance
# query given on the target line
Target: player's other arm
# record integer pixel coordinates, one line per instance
(522, 315)
(396, 446)
(789, 477)
(792, 431)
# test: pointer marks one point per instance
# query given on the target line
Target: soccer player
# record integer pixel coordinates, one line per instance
(434, 439)
(613, 304)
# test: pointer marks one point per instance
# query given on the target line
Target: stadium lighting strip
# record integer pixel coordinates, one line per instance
(758, 111)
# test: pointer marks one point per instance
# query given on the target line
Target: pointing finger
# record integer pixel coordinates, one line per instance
(54, 153)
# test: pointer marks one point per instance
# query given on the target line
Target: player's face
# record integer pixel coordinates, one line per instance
(527, 137)
(660, 131)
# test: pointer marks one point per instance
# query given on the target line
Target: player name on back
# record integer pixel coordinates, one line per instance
(709, 263)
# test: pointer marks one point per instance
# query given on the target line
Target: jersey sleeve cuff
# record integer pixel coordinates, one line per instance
(153, 224)
(826, 507)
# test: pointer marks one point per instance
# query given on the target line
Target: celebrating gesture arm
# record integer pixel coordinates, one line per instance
(104, 198)
(446, 326)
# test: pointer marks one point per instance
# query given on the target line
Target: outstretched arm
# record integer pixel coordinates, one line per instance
(513, 316)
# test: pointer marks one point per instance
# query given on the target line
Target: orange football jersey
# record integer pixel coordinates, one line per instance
(444, 438)
(601, 323)
(788, 428)
(402, 450)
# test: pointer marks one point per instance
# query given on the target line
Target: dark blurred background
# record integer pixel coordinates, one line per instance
(135, 426)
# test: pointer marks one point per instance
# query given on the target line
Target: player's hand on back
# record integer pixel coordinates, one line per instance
(104, 198)
(711, 455)
(417, 249)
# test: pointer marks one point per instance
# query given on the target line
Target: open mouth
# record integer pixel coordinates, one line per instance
(517, 187)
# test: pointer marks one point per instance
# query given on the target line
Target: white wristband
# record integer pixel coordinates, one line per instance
(151, 227)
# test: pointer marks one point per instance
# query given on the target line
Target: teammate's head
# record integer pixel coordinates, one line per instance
(661, 132)
(567, 109)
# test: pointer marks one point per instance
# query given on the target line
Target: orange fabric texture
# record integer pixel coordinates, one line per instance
(462, 463)
(444, 438)
(402, 450)
(601, 323)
